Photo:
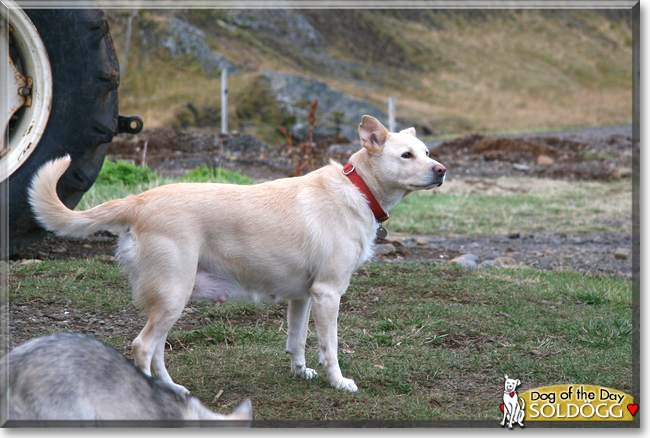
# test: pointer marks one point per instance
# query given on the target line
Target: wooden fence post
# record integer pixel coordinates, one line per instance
(391, 114)
(224, 101)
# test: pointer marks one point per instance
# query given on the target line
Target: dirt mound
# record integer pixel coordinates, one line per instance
(548, 156)
(513, 150)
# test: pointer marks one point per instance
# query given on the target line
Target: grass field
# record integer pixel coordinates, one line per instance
(422, 340)
(508, 204)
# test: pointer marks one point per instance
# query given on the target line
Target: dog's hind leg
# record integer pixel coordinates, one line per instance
(298, 321)
(160, 369)
(165, 277)
(148, 347)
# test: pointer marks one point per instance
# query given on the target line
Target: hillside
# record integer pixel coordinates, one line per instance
(450, 72)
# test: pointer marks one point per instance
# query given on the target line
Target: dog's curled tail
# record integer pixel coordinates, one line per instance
(54, 216)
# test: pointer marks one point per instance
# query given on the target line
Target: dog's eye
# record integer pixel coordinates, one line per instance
(427, 152)
(407, 155)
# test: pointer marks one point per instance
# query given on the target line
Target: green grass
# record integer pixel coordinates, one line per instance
(121, 178)
(422, 340)
(123, 172)
(91, 284)
(216, 174)
(507, 205)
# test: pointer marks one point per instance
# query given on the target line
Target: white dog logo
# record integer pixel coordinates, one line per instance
(512, 411)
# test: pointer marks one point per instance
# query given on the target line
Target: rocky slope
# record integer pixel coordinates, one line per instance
(451, 72)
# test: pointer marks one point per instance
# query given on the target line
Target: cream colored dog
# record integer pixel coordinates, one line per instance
(296, 239)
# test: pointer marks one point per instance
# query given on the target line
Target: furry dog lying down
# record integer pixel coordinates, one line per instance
(69, 376)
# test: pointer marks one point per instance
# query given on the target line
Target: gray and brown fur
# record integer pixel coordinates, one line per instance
(68, 376)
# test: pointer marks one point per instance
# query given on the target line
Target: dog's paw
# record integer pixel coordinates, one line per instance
(178, 389)
(346, 385)
(304, 373)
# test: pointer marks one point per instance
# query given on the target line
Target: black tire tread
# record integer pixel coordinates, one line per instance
(84, 109)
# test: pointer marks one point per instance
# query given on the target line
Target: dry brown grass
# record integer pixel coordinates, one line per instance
(505, 73)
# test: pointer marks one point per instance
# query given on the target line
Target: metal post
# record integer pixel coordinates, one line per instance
(224, 101)
(124, 65)
(391, 114)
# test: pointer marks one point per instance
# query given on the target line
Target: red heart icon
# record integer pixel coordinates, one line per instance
(632, 408)
(512, 394)
(502, 407)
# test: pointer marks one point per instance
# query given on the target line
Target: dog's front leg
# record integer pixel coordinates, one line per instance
(505, 413)
(298, 321)
(326, 300)
(512, 417)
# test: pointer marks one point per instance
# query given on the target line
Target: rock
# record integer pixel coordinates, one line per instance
(60, 250)
(499, 262)
(521, 167)
(505, 261)
(183, 39)
(422, 241)
(292, 92)
(384, 249)
(622, 172)
(545, 160)
(28, 262)
(105, 258)
(514, 235)
(469, 261)
(408, 241)
(621, 254)
(487, 264)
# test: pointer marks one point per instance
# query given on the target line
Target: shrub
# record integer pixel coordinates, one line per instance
(123, 172)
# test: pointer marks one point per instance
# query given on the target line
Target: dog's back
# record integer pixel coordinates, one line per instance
(70, 376)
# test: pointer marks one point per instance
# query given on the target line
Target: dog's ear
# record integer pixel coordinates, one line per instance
(373, 134)
(409, 131)
(518, 382)
(505, 376)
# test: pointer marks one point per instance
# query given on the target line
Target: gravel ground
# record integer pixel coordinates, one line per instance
(594, 253)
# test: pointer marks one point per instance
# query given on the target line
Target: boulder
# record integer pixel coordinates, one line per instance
(468, 261)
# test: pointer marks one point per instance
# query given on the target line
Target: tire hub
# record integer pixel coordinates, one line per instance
(26, 80)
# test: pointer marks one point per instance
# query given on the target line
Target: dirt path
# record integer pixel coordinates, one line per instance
(594, 253)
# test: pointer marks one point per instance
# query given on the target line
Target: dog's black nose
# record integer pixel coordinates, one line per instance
(439, 170)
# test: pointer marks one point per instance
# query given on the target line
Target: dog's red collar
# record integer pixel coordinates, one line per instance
(355, 178)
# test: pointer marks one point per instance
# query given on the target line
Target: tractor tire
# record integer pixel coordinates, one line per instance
(84, 111)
